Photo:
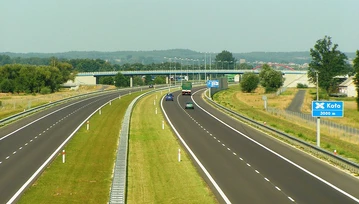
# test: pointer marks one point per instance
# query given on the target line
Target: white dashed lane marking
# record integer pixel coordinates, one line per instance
(44, 131)
(234, 153)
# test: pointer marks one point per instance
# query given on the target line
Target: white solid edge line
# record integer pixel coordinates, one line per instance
(280, 156)
(195, 158)
(14, 197)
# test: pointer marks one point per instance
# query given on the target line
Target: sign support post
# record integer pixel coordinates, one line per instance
(326, 109)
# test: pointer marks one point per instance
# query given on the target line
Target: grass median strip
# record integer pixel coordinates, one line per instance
(154, 173)
(86, 176)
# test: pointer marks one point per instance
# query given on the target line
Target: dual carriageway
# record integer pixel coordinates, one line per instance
(239, 163)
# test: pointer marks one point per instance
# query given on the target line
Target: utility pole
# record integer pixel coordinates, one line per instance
(318, 118)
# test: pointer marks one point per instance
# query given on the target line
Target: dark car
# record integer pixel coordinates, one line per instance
(169, 97)
(189, 105)
(150, 86)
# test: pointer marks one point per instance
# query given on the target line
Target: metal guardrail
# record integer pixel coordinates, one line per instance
(320, 153)
(119, 180)
(38, 108)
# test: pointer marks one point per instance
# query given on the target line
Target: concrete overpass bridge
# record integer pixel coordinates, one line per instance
(90, 78)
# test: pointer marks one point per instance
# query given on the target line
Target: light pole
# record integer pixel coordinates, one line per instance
(192, 69)
(219, 61)
(205, 66)
(170, 82)
(175, 69)
(210, 65)
(199, 67)
(181, 71)
(318, 118)
(187, 60)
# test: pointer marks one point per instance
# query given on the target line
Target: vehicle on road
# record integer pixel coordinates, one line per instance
(186, 88)
(189, 105)
(150, 86)
(169, 97)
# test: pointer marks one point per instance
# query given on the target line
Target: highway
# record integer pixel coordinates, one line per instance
(26, 144)
(244, 165)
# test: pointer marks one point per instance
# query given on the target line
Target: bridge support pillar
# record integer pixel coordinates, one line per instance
(167, 81)
(131, 83)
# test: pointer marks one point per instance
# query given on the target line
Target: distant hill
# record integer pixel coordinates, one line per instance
(158, 56)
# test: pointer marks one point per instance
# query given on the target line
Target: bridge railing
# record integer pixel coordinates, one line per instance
(181, 71)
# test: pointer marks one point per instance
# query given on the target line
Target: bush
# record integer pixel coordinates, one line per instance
(45, 90)
(300, 85)
(249, 82)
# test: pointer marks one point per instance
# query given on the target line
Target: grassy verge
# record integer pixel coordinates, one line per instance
(154, 173)
(251, 105)
(87, 174)
(11, 104)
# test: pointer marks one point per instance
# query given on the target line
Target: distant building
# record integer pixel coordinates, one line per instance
(348, 87)
(241, 61)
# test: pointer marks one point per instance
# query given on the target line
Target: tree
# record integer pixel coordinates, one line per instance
(106, 80)
(249, 82)
(226, 57)
(328, 62)
(121, 80)
(356, 76)
(6, 86)
(66, 70)
(148, 79)
(160, 80)
(270, 79)
(138, 81)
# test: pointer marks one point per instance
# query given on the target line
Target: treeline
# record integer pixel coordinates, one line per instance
(157, 56)
(97, 65)
(19, 78)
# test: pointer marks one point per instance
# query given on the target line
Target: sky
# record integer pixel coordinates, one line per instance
(239, 26)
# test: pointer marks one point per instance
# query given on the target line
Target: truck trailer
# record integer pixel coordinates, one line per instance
(186, 88)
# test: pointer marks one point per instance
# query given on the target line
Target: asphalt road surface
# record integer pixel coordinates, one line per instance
(27, 144)
(243, 165)
(297, 102)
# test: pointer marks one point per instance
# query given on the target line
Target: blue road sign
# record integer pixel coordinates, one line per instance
(212, 84)
(327, 108)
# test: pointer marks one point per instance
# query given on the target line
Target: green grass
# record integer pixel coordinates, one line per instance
(344, 148)
(154, 173)
(90, 155)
